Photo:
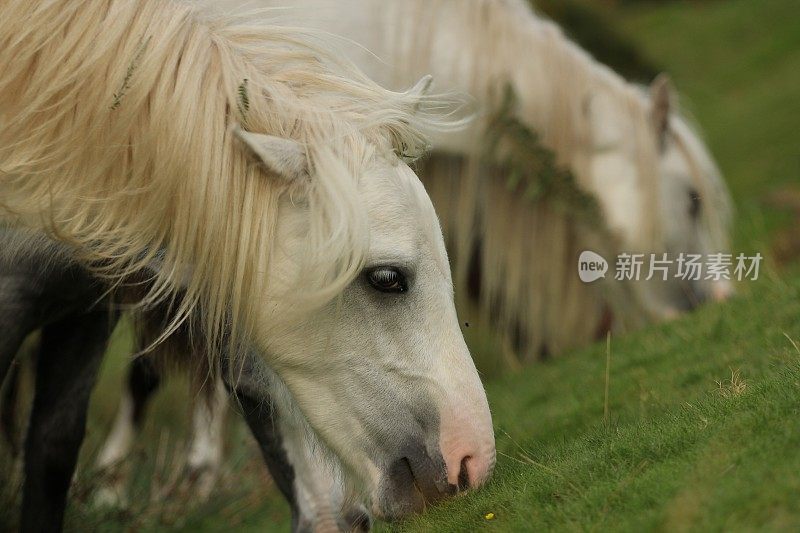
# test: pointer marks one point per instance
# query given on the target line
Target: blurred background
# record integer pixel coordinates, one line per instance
(585, 443)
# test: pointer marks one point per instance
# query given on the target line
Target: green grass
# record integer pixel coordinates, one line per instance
(682, 447)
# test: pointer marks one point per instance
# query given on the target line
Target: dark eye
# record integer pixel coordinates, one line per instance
(695, 204)
(387, 279)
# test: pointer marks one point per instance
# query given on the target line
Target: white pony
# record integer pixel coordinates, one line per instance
(262, 179)
(657, 188)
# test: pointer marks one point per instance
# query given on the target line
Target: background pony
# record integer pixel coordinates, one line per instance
(261, 181)
(638, 177)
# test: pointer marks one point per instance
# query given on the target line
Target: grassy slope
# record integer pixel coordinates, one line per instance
(675, 453)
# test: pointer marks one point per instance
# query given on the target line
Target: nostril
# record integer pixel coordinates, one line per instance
(463, 475)
(471, 471)
(467, 447)
(356, 520)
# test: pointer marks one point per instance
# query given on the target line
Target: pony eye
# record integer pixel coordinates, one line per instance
(695, 205)
(387, 279)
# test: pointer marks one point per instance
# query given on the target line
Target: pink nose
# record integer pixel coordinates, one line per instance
(469, 460)
(466, 435)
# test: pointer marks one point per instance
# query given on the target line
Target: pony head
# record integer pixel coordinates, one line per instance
(659, 189)
(379, 368)
(695, 203)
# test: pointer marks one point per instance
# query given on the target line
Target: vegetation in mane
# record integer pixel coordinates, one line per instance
(531, 168)
(117, 139)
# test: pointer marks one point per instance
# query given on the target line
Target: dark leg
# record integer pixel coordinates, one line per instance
(16, 322)
(252, 391)
(143, 380)
(262, 421)
(70, 356)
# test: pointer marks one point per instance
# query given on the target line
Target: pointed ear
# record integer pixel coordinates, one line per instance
(420, 90)
(662, 96)
(286, 158)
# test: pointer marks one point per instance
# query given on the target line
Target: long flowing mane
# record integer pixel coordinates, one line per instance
(117, 139)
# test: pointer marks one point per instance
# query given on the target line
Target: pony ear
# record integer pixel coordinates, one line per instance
(420, 90)
(662, 100)
(283, 157)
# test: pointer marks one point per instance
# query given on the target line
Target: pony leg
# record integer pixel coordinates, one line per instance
(142, 382)
(321, 498)
(13, 412)
(261, 419)
(205, 452)
(67, 366)
(17, 320)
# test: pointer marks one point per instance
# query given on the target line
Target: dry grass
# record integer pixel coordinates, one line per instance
(733, 386)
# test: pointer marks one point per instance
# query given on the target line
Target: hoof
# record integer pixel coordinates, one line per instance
(111, 488)
(110, 497)
(200, 481)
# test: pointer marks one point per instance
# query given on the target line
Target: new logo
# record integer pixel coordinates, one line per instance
(591, 266)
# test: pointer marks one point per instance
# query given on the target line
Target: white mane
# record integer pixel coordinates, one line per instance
(117, 140)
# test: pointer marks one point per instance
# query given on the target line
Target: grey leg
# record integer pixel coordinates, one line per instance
(71, 352)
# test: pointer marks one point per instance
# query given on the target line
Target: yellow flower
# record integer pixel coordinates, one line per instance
(489, 516)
